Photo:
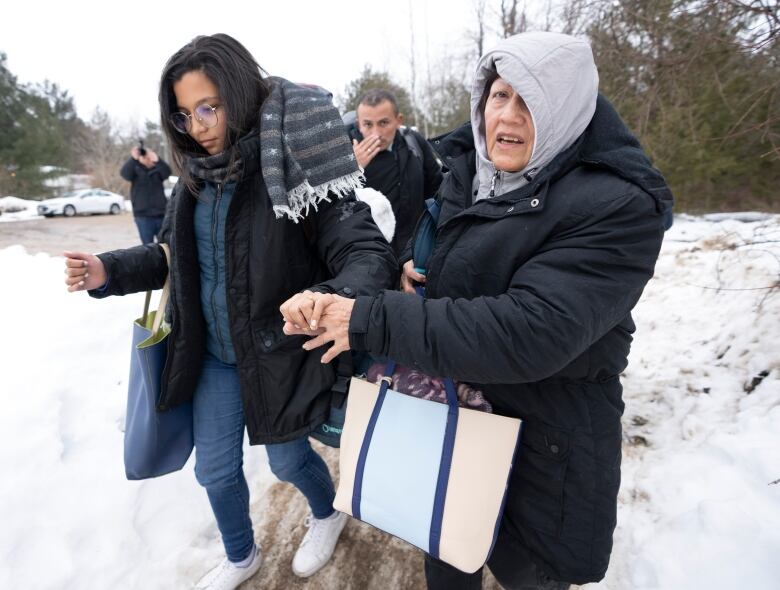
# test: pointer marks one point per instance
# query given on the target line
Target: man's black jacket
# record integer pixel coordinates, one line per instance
(419, 178)
(146, 187)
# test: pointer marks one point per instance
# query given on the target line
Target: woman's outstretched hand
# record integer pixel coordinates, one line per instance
(328, 321)
(83, 271)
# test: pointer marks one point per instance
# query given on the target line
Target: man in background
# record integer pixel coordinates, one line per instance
(146, 173)
(397, 161)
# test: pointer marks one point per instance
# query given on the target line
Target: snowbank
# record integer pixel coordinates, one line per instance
(16, 209)
(699, 504)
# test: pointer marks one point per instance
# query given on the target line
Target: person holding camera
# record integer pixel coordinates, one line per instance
(146, 172)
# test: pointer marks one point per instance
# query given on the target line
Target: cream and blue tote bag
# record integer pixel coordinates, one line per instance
(434, 475)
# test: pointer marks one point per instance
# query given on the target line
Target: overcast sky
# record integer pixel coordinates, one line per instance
(111, 54)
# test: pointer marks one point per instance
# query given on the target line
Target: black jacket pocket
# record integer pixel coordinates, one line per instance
(269, 337)
(536, 491)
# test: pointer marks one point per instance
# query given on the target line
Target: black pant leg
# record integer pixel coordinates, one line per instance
(513, 568)
(441, 576)
(510, 563)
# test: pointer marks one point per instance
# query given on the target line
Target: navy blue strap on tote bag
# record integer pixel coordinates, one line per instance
(432, 474)
(156, 443)
(442, 479)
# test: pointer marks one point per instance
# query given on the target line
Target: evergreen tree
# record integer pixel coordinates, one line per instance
(33, 147)
(700, 90)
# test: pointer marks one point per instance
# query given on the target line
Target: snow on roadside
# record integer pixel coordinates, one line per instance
(16, 209)
(70, 518)
(698, 507)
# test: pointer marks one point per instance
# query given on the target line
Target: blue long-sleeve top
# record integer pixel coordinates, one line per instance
(210, 215)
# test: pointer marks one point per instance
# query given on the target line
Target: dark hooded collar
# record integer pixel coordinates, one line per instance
(606, 143)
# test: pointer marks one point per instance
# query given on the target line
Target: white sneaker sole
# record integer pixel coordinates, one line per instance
(251, 570)
(311, 571)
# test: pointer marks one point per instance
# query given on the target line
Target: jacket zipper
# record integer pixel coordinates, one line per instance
(214, 234)
(493, 183)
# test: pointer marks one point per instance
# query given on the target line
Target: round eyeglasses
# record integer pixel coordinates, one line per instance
(204, 113)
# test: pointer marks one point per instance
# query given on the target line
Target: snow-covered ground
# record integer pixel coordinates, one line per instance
(700, 499)
(16, 209)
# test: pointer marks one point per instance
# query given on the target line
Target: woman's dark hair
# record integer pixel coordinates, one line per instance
(491, 77)
(242, 90)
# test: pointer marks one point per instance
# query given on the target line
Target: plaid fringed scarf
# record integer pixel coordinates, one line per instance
(305, 152)
(216, 168)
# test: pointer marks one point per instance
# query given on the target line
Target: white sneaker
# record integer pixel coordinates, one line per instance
(227, 576)
(318, 544)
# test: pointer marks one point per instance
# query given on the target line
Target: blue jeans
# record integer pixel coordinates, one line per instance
(218, 419)
(148, 228)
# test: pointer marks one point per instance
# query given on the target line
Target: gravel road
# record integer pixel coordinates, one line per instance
(90, 233)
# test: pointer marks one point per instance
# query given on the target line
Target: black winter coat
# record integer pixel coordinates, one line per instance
(285, 390)
(146, 187)
(419, 177)
(529, 297)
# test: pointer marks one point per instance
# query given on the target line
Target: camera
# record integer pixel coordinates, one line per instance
(141, 148)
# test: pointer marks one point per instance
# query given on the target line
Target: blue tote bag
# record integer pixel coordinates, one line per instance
(156, 443)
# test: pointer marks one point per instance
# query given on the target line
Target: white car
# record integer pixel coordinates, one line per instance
(91, 200)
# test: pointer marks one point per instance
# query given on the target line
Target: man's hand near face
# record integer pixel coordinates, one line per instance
(366, 150)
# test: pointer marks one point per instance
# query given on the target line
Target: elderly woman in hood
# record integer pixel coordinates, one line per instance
(551, 220)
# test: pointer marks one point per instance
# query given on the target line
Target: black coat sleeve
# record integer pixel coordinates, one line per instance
(128, 170)
(141, 268)
(559, 302)
(167, 225)
(407, 253)
(356, 253)
(432, 179)
(162, 168)
(432, 174)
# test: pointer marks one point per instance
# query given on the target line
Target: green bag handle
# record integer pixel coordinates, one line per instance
(163, 298)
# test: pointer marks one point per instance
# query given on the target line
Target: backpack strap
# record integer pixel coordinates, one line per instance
(412, 142)
(344, 371)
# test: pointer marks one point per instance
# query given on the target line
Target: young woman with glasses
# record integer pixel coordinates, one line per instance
(263, 217)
